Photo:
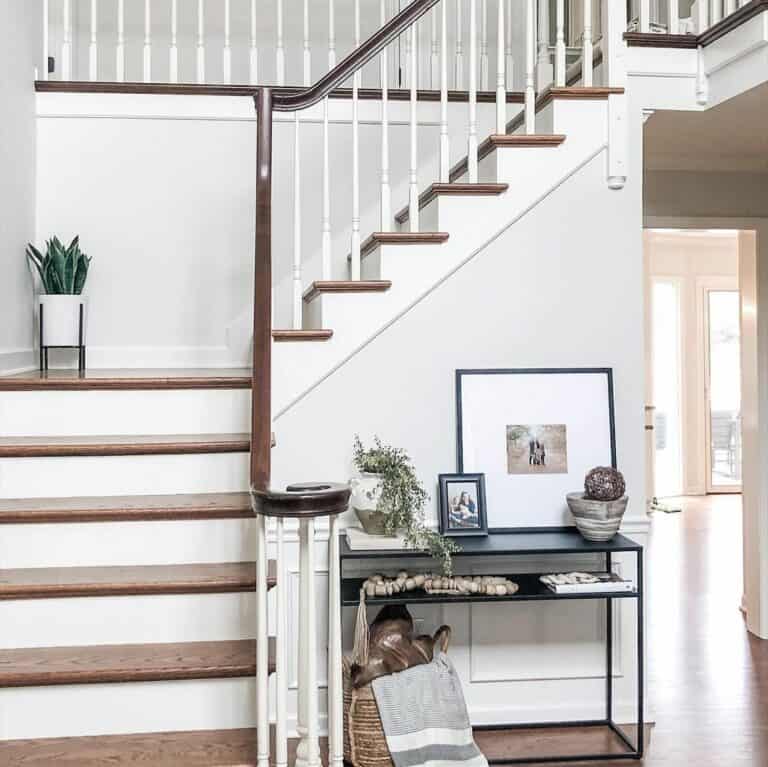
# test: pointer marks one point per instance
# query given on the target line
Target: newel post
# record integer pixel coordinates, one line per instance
(614, 18)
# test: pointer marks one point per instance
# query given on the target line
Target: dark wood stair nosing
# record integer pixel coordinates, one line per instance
(319, 287)
(437, 189)
(296, 336)
(378, 239)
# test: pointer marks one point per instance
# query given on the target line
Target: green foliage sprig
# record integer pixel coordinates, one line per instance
(402, 499)
(62, 270)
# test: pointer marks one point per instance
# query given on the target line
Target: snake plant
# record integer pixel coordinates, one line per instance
(62, 270)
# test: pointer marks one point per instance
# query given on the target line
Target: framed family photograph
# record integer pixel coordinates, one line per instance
(462, 505)
(534, 433)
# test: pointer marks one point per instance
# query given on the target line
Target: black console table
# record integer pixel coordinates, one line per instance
(531, 542)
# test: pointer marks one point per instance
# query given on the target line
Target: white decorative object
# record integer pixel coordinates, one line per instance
(366, 495)
(380, 585)
(61, 319)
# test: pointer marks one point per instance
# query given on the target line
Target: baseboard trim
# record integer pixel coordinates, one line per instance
(17, 360)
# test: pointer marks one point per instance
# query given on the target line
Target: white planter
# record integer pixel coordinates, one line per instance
(366, 494)
(61, 319)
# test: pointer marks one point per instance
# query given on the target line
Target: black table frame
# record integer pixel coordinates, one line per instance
(546, 541)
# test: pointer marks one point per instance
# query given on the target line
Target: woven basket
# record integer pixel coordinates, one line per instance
(364, 741)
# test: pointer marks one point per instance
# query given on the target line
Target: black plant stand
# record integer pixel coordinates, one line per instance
(80, 346)
(537, 542)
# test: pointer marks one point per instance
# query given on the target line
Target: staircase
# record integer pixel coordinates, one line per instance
(134, 576)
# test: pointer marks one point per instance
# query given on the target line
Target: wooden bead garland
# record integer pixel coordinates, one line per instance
(380, 585)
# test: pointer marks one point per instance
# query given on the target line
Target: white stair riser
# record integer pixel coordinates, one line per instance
(35, 413)
(127, 620)
(123, 475)
(102, 544)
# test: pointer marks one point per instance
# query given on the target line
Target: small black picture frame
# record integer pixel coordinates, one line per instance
(462, 505)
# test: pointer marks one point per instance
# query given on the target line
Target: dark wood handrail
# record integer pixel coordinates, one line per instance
(268, 101)
(355, 61)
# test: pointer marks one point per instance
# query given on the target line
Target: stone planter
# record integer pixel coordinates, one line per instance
(365, 498)
(597, 520)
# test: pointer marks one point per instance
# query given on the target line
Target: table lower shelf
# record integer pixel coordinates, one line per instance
(531, 589)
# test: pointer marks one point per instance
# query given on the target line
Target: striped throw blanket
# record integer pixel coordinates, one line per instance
(425, 717)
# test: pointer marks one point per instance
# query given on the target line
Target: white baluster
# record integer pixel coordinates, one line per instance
(385, 218)
(406, 63)
(413, 170)
(673, 16)
(501, 91)
(730, 7)
(614, 22)
(66, 45)
(458, 77)
(253, 57)
(227, 52)
(335, 689)
(509, 53)
(560, 45)
(147, 52)
(530, 65)
(93, 47)
(331, 35)
(444, 138)
(46, 38)
(544, 66)
(472, 134)
(702, 16)
(645, 16)
(298, 301)
(200, 41)
(173, 54)
(307, 50)
(326, 226)
(281, 644)
(717, 11)
(434, 56)
(355, 235)
(484, 63)
(262, 645)
(586, 74)
(280, 51)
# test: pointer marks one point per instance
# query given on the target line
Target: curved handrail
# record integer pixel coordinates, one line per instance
(354, 61)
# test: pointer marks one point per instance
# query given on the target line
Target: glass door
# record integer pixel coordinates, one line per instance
(723, 329)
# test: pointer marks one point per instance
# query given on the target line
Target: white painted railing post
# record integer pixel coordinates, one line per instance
(253, 57)
(587, 55)
(509, 52)
(331, 35)
(326, 255)
(147, 50)
(262, 645)
(173, 54)
(93, 47)
(560, 63)
(385, 222)
(501, 91)
(702, 16)
(335, 688)
(458, 76)
(434, 52)
(530, 65)
(544, 64)
(472, 136)
(46, 38)
(445, 146)
(66, 44)
(413, 170)
(200, 41)
(226, 55)
(298, 301)
(280, 50)
(355, 234)
(717, 11)
(281, 647)
(645, 16)
(484, 63)
(673, 16)
(614, 17)
(730, 7)
(307, 51)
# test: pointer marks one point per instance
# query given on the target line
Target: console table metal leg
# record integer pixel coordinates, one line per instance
(608, 649)
(640, 655)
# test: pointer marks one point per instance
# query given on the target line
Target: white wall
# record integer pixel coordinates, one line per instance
(19, 55)
(693, 261)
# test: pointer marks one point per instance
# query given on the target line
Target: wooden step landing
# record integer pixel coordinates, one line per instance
(128, 379)
(301, 335)
(106, 664)
(400, 238)
(101, 445)
(438, 189)
(126, 508)
(61, 582)
(319, 287)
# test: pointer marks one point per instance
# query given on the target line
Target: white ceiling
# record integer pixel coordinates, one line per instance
(732, 136)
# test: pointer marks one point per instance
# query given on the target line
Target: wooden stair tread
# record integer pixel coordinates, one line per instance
(345, 286)
(400, 238)
(121, 508)
(105, 664)
(301, 335)
(122, 444)
(125, 379)
(437, 189)
(60, 582)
